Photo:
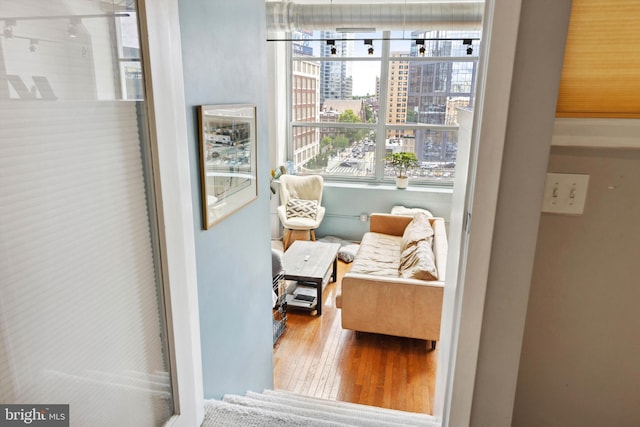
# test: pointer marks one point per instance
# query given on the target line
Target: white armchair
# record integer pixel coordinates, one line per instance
(300, 208)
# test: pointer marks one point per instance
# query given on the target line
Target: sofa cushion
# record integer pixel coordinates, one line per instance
(417, 230)
(418, 262)
(298, 208)
(379, 255)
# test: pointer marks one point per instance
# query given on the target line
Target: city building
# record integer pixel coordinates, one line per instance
(342, 105)
(336, 76)
(435, 89)
(397, 94)
(305, 100)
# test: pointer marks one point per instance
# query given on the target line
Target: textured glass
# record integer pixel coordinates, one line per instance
(81, 317)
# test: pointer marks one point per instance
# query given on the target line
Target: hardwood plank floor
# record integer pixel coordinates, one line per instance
(316, 357)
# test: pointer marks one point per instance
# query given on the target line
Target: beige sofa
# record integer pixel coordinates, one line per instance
(376, 295)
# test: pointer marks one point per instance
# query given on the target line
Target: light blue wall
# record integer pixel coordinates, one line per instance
(223, 48)
(344, 205)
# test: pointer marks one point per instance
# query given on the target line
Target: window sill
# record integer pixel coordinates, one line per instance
(422, 188)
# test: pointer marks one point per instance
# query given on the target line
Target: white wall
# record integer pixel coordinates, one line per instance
(538, 63)
(579, 362)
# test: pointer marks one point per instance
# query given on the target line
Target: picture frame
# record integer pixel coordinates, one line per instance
(228, 159)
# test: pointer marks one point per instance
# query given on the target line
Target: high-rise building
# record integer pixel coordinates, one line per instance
(336, 76)
(397, 93)
(305, 100)
(436, 88)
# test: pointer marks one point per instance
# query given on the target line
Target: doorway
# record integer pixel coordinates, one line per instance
(477, 193)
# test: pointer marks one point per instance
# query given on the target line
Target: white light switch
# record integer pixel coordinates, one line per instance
(565, 193)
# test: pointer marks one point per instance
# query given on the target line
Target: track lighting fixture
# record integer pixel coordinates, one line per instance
(33, 43)
(72, 28)
(422, 50)
(369, 42)
(8, 28)
(468, 42)
(332, 43)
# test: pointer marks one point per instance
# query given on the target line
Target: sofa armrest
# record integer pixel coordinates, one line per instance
(440, 246)
(388, 223)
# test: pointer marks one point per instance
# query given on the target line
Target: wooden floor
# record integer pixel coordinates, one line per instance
(316, 357)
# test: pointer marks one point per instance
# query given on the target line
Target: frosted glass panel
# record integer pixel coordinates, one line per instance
(81, 318)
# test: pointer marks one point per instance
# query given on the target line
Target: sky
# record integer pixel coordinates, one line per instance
(365, 72)
(364, 77)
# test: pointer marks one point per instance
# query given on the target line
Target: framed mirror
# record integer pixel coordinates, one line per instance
(227, 159)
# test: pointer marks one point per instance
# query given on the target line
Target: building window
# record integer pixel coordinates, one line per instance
(354, 125)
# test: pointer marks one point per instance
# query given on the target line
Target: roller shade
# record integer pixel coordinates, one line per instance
(80, 321)
(81, 315)
(601, 71)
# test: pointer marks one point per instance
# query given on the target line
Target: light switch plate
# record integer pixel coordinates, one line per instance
(565, 193)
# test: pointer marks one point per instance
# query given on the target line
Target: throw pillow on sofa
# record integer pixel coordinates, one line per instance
(402, 210)
(418, 262)
(417, 230)
(348, 249)
(348, 253)
(298, 208)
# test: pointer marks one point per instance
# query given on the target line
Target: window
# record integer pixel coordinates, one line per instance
(353, 118)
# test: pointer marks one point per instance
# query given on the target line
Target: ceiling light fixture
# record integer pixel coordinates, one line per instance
(8, 28)
(332, 43)
(422, 50)
(369, 42)
(468, 42)
(33, 45)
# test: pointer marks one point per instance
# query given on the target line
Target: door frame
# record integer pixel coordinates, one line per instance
(473, 215)
(462, 315)
(162, 67)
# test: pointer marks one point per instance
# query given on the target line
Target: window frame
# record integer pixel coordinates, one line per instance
(381, 127)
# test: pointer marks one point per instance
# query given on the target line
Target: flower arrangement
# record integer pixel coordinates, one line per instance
(275, 174)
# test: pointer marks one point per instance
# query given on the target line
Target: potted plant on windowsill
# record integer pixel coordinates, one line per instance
(402, 163)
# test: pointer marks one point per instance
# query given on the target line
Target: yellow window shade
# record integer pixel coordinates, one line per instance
(601, 72)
